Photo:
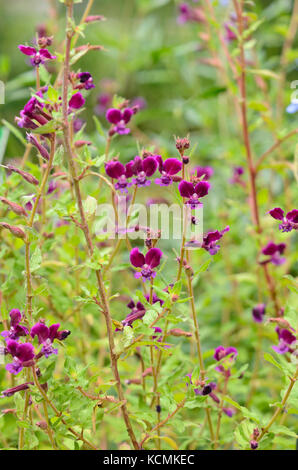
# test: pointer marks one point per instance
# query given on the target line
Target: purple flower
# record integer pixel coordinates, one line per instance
(37, 56)
(137, 311)
(229, 412)
(76, 101)
(46, 336)
(193, 192)
(209, 240)
(148, 262)
(142, 169)
(116, 170)
(292, 108)
(205, 171)
(119, 119)
(237, 174)
(258, 313)
(22, 354)
(289, 221)
(16, 330)
(188, 13)
(274, 251)
(230, 33)
(287, 341)
(221, 352)
(103, 102)
(86, 80)
(11, 391)
(33, 115)
(168, 168)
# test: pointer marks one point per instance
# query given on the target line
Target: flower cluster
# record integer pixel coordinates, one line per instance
(24, 354)
(289, 221)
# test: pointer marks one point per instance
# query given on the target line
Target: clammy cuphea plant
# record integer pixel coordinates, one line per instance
(148, 297)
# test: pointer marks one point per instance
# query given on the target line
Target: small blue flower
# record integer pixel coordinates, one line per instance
(292, 108)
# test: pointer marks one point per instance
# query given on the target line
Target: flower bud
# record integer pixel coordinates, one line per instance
(16, 231)
(19, 210)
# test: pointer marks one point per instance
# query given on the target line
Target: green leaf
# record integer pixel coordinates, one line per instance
(15, 132)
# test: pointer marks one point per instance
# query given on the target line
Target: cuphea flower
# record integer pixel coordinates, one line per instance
(237, 174)
(193, 192)
(16, 330)
(46, 336)
(287, 341)
(86, 80)
(203, 171)
(11, 391)
(289, 221)
(22, 353)
(118, 171)
(38, 57)
(258, 313)
(274, 251)
(137, 311)
(41, 148)
(147, 263)
(168, 169)
(76, 101)
(119, 119)
(142, 169)
(33, 115)
(220, 354)
(230, 33)
(209, 240)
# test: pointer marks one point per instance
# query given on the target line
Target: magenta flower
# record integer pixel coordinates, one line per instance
(22, 354)
(76, 101)
(147, 263)
(141, 169)
(168, 169)
(116, 170)
(11, 391)
(220, 354)
(16, 330)
(237, 176)
(287, 341)
(289, 221)
(38, 57)
(46, 336)
(193, 192)
(258, 313)
(86, 80)
(33, 115)
(119, 119)
(230, 34)
(274, 251)
(209, 240)
(137, 311)
(205, 171)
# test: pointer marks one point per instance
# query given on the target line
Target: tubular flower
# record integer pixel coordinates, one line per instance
(16, 330)
(117, 171)
(76, 102)
(22, 353)
(193, 192)
(46, 336)
(147, 263)
(168, 169)
(258, 313)
(209, 240)
(86, 80)
(38, 57)
(289, 221)
(287, 341)
(203, 171)
(220, 354)
(273, 252)
(119, 119)
(142, 169)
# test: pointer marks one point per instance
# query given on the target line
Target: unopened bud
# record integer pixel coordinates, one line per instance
(19, 210)
(179, 332)
(93, 18)
(16, 231)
